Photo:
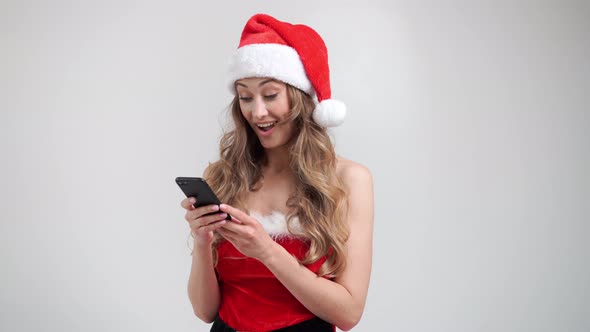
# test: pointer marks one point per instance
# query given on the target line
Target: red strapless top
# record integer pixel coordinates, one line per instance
(252, 298)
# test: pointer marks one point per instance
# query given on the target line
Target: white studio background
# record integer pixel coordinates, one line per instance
(473, 117)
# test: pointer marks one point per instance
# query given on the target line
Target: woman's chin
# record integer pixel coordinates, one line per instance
(271, 144)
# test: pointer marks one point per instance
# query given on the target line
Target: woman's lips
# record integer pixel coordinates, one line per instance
(265, 133)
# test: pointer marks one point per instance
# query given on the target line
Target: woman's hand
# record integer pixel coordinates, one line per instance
(246, 234)
(202, 226)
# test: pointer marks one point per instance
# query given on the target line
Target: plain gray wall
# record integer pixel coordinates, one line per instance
(473, 117)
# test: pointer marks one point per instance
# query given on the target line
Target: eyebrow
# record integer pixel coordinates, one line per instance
(259, 84)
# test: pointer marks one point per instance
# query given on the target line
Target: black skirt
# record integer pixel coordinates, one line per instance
(313, 325)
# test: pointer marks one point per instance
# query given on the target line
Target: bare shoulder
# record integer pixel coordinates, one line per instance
(357, 181)
(353, 174)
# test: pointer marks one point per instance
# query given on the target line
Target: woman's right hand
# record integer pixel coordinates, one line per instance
(202, 226)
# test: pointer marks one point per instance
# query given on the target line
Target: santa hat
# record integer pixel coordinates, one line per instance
(291, 53)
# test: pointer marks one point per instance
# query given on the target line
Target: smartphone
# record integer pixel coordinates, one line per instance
(200, 190)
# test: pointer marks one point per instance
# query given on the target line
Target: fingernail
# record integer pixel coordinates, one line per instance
(215, 208)
(223, 215)
(192, 200)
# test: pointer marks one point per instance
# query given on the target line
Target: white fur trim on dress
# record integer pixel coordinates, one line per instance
(329, 113)
(269, 60)
(275, 224)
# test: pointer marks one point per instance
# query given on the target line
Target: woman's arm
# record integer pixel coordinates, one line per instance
(340, 302)
(203, 289)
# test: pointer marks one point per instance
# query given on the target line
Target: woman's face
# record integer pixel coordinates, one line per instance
(265, 105)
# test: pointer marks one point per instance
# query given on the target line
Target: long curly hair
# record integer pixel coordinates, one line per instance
(319, 200)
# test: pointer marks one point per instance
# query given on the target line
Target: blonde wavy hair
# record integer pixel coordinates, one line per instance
(319, 200)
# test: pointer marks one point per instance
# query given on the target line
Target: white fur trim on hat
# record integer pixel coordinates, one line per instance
(269, 60)
(329, 113)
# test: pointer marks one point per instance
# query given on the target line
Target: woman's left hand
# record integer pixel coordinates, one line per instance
(246, 234)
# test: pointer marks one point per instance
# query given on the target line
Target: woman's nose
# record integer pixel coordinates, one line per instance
(259, 108)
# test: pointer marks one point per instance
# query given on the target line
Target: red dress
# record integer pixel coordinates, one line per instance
(252, 298)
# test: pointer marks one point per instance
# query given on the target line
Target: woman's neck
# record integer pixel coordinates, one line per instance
(277, 160)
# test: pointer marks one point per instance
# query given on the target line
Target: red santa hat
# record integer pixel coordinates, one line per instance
(291, 53)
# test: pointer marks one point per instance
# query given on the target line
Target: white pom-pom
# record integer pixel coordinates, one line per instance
(329, 113)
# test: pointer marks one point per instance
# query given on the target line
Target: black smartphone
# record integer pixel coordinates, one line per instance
(200, 190)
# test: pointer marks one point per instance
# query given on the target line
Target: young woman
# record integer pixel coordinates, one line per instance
(296, 255)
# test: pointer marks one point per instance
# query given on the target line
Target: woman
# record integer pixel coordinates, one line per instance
(296, 255)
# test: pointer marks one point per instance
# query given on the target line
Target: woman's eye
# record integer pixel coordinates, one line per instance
(270, 97)
(246, 99)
